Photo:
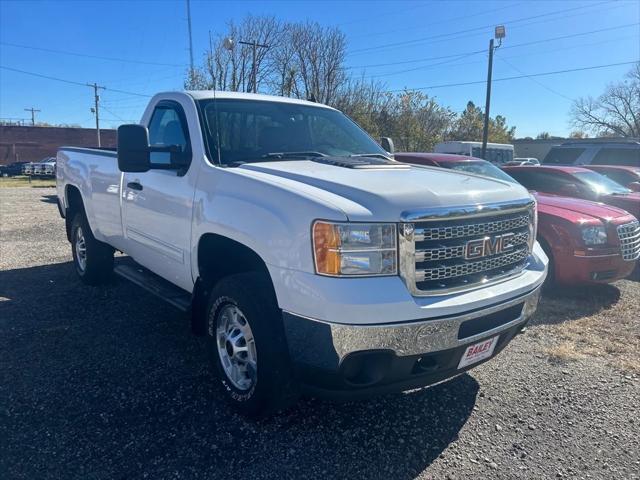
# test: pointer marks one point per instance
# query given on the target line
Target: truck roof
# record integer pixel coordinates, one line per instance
(211, 94)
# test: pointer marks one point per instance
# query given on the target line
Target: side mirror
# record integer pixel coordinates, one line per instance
(634, 186)
(133, 148)
(387, 144)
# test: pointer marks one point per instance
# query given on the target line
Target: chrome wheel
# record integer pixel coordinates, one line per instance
(81, 250)
(236, 347)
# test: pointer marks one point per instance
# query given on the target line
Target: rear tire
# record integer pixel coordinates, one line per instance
(92, 259)
(247, 345)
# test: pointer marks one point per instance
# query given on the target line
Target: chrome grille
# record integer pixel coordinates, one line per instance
(468, 268)
(446, 251)
(458, 231)
(457, 251)
(629, 235)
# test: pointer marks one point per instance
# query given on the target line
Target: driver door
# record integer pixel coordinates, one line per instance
(157, 204)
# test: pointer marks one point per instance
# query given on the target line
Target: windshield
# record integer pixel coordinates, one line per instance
(253, 131)
(600, 183)
(479, 167)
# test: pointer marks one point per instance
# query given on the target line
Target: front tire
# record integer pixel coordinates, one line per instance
(247, 346)
(92, 259)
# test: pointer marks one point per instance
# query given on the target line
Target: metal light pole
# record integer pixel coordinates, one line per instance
(229, 43)
(499, 34)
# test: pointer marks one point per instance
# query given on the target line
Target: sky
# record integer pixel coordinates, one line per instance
(137, 48)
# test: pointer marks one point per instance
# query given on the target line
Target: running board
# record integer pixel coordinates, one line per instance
(155, 285)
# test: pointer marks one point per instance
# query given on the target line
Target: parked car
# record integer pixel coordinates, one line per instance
(577, 182)
(27, 168)
(619, 152)
(522, 161)
(586, 242)
(309, 259)
(626, 176)
(11, 169)
(49, 167)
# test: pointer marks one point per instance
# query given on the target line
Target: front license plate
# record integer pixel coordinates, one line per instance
(478, 351)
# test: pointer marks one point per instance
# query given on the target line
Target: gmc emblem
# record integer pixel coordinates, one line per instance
(483, 247)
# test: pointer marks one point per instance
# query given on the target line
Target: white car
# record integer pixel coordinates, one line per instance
(310, 260)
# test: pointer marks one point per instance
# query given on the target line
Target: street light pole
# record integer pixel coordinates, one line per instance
(229, 43)
(499, 34)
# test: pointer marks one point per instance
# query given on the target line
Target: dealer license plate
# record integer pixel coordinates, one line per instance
(478, 351)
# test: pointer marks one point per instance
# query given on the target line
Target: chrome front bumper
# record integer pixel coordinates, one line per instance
(325, 345)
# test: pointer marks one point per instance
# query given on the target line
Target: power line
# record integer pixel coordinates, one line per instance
(444, 35)
(504, 47)
(546, 87)
(98, 57)
(542, 74)
(458, 57)
(71, 82)
(446, 20)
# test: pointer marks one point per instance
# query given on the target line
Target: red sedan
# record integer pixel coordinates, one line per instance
(586, 242)
(577, 182)
(626, 176)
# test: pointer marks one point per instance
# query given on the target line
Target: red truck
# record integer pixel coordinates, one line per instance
(586, 242)
(626, 176)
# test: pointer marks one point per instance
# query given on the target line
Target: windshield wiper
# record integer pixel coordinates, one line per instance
(375, 155)
(293, 154)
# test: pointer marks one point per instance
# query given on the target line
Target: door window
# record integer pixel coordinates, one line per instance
(618, 156)
(167, 128)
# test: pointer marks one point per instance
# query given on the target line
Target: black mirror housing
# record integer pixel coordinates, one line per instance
(133, 148)
(387, 144)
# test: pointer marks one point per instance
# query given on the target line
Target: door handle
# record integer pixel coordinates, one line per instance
(134, 186)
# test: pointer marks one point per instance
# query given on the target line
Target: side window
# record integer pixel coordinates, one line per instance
(617, 156)
(166, 128)
(563, 156)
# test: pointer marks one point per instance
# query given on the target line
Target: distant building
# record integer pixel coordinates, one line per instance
(31, 144)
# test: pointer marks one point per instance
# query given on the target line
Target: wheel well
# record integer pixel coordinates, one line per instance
(219, 257)
(74, 205)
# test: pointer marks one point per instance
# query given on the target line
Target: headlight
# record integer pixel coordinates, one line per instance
(352, 249)
(533, 227)
(594, 235)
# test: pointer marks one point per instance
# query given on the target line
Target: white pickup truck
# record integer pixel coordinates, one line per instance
(311, 260)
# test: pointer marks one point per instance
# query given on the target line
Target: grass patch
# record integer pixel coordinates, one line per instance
(23, 181)
(596, 323)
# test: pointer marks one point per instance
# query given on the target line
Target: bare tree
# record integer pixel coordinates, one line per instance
(614, 113)
(231, 69)
(317, 62)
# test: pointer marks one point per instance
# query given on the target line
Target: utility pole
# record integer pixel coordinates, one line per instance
(499, 34)
(33, 114)
(190, 39)
(96, 109)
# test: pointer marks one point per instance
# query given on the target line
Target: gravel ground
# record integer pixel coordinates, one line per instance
(108, 383)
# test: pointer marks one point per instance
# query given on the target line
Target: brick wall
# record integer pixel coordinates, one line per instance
(31, 144)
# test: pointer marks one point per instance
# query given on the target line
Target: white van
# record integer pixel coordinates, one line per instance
(498, 153)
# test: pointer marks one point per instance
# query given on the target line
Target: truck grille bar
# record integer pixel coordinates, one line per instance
(629, 235)
(464, 250)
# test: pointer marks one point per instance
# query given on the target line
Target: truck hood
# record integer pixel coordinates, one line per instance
(384, 192)
(577, 210)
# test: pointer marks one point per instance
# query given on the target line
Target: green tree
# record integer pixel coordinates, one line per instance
(470, 124)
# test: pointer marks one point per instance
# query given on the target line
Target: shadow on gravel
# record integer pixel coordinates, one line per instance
(49, 199)
(563, 304)
(108, 382)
